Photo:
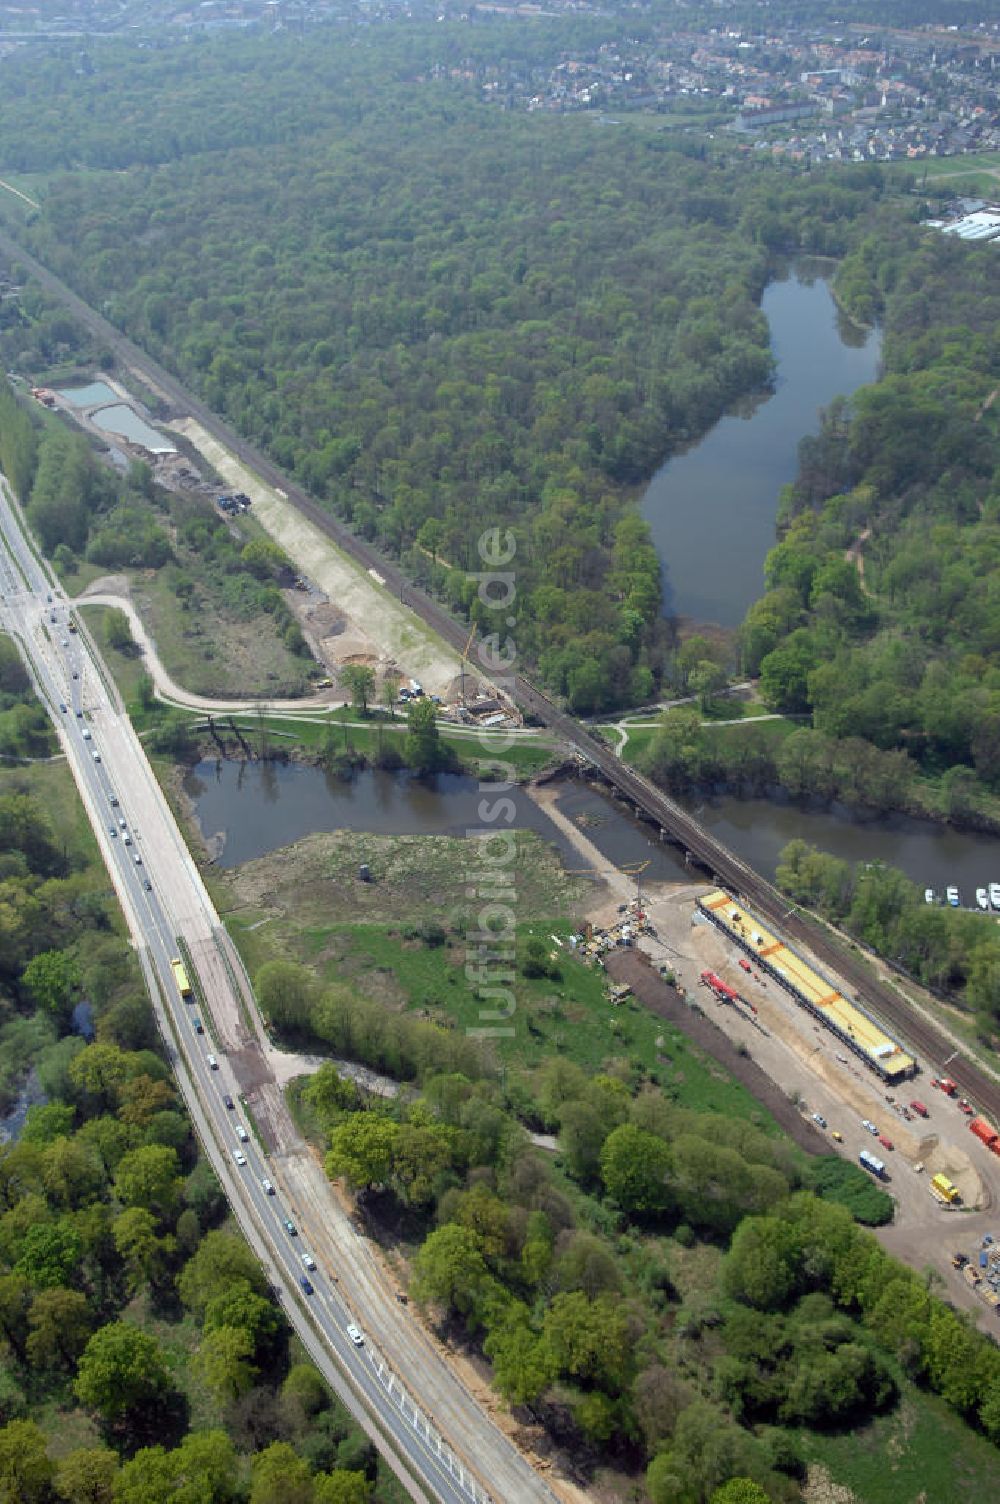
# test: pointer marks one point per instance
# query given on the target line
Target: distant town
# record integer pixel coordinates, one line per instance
(810, 94)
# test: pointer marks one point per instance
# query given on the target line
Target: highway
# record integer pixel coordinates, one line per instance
(322, 1271)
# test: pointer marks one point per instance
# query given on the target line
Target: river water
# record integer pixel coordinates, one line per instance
(712, 509)
(245, 810)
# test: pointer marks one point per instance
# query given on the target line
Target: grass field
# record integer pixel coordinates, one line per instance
(949, 167)
(920, 1454)
(306, 903)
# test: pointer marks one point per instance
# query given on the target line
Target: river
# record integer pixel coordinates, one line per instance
(712, 509)
(245, 810)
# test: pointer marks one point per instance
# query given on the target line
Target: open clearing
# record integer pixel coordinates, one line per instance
(382, 630)
(306, 903)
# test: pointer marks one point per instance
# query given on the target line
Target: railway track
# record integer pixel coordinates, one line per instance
(931, 1047)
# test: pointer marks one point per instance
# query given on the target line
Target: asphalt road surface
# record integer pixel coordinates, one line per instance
(394, 1381)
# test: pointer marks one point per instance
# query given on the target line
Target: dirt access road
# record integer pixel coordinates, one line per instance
(382, 629)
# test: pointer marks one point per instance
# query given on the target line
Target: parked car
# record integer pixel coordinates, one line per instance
(820, 1119)
(966, 1107)
(995, 895)
(886, 1143)
(952, 896)
(982, 898)
(928, 895)
(870, 1126)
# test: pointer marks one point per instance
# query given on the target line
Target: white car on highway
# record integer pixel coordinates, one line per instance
(239, 1156)
(309, 1261)
(242, 1134)
(267, 1187)
(356, 1335)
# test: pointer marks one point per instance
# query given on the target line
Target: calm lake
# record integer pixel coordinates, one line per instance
(712, 509)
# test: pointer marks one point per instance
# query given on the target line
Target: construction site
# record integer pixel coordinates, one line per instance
(780, 1021)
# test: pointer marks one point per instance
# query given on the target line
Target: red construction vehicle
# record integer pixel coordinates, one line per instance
(947, 1086)
(920, 1109)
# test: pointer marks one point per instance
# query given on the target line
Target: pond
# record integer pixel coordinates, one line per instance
(94, 394)
(712, 509)
(122, 420)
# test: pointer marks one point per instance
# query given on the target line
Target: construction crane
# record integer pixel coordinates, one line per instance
(635, 869)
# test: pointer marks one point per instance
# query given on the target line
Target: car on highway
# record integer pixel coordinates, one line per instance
(870, 1126)
(228, 1101)
(306, 1284)
(213, 1064)
(97, 756)
(76, 673)
(147, 885)
(239, 1156)
(267, 1187)
(114, 801)
(138, 859)
(356, 1335)
(242, 1134)
(113, 831)
(290, 1228)
(65, 642)
(62, 707)
(197, 1025)
(86, 732)
(128, 839)
(820, 1119)
(121, 818)
(309, 1261)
